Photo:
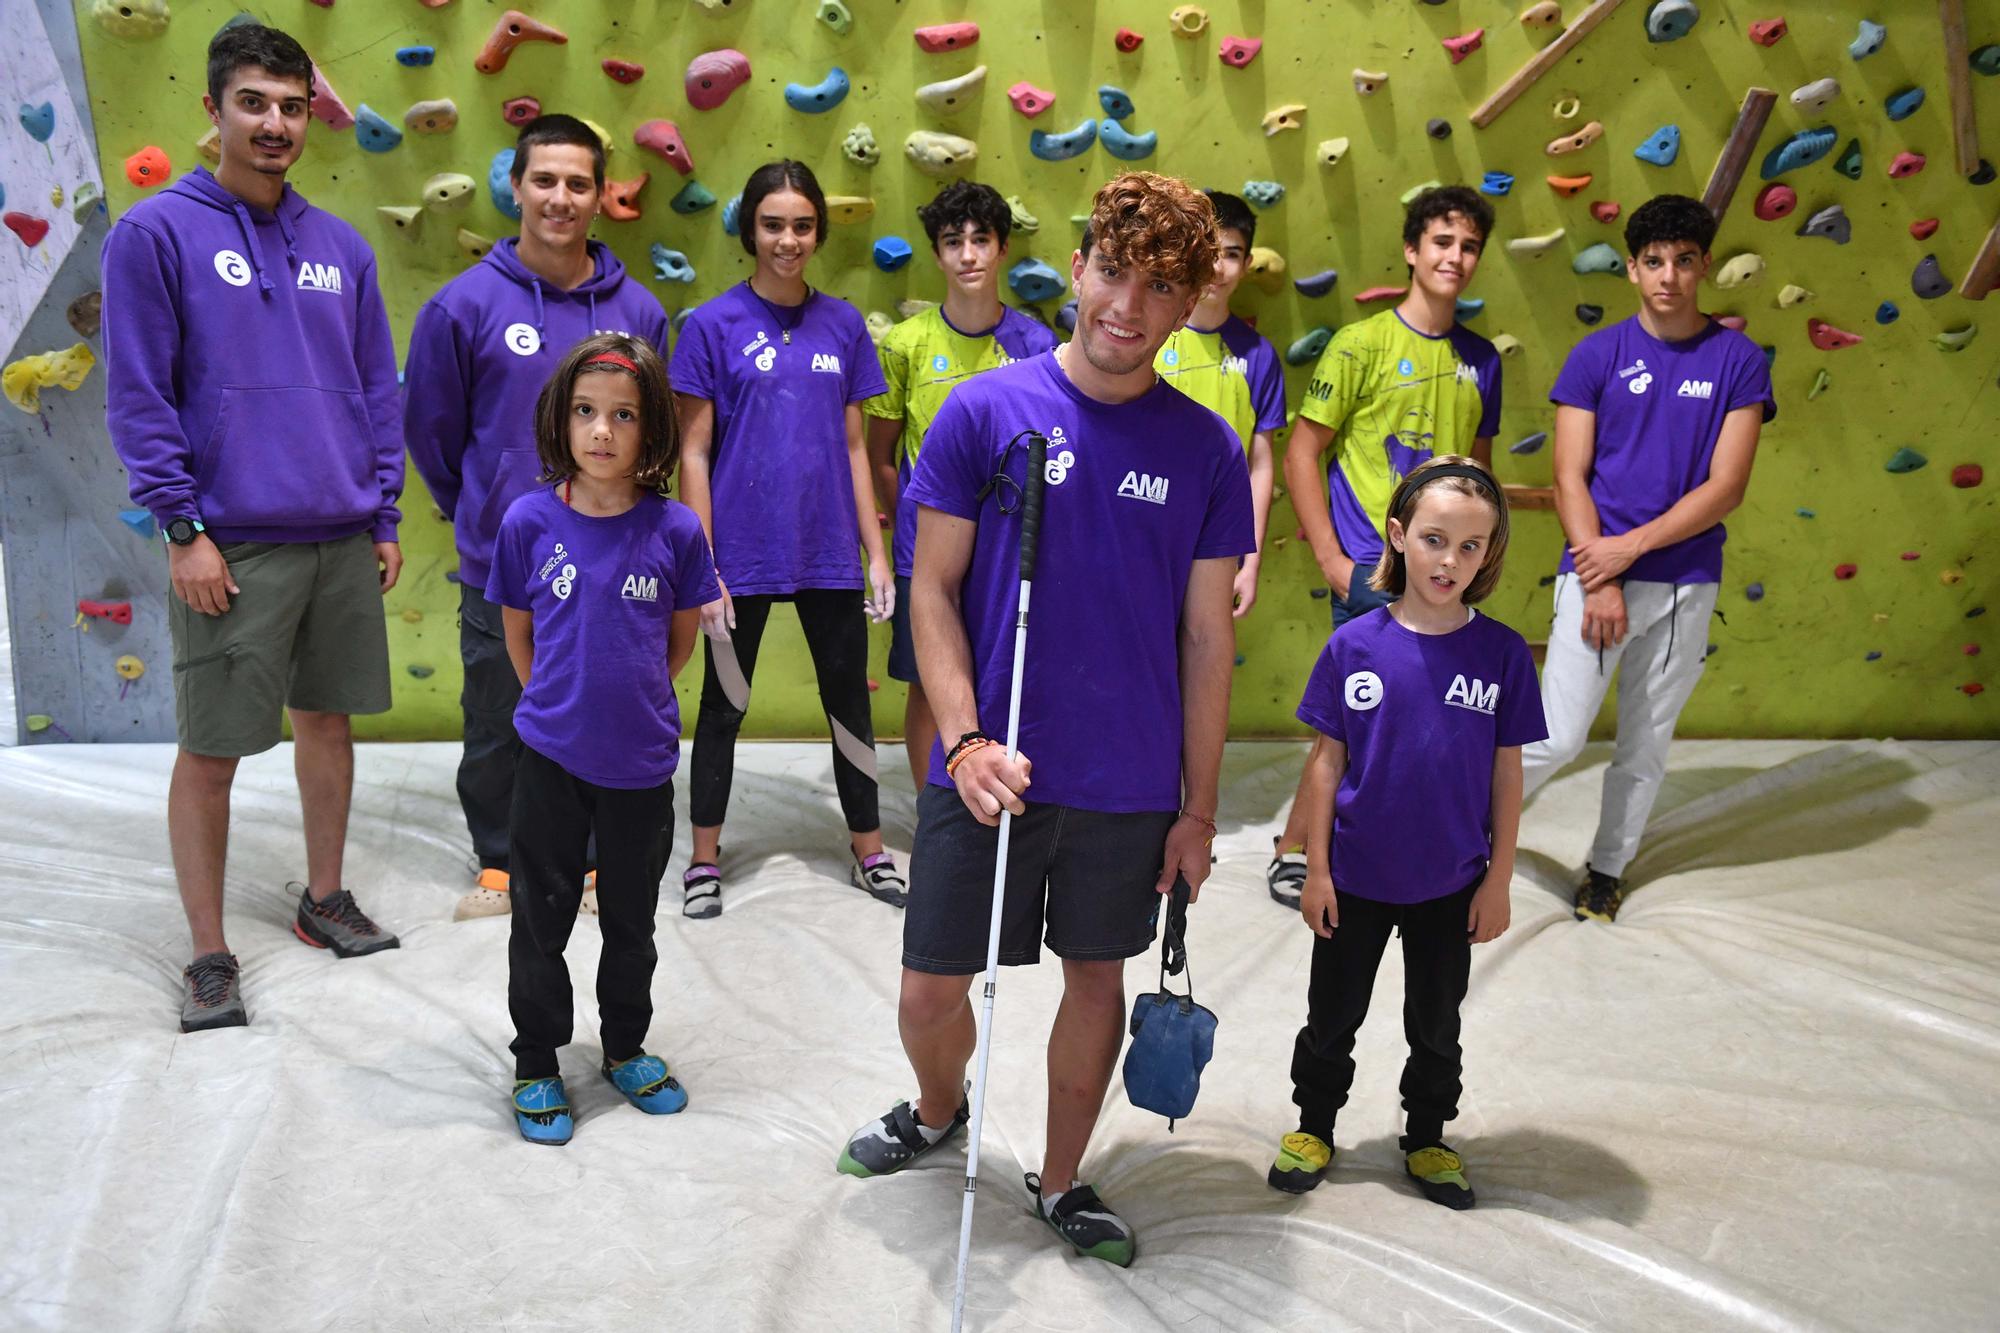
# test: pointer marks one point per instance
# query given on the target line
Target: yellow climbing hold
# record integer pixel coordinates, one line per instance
(1507, 344)
(1331, 151)
(1189, 20)
(1534, 247)
(1792, 294)
(849, 208)
(473, 244)
(1266, 268)
(130, 667)
(412, 616)
(24, 380)
(1281, 118)
(1744, 270)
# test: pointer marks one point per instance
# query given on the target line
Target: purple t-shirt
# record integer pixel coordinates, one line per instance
(603, 592)
(1659, 408)
(1421, 716)
(1135, 494)
(780, 484)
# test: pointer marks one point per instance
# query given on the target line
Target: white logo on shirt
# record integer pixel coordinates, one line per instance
(319, 277)
(1466, 374)
(1696, 389)
(1364, 691)
(560, 555)
(1236, 365)
(232, 268)
(1641, 384)
(565, 581)
(1060, 460)
(1405, 368)
(756, 342)
(522, 339)
(826, 361)
(1632, 369)
(940, 363)
(767, 358)
(641, 588)
(1474, 694)
(1144, 486)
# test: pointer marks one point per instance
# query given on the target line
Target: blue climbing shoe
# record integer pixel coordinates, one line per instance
(541, 1110)
(646, 1084)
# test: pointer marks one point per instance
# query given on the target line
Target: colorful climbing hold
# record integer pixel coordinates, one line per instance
(1506, 344)
(1754, 592)
(664, 137)
(373, 133)
(1670, 20)
(406, 217)
(1496, 183)
(1529, 444)
(1982, 175)
(1374, 294)
(1188, 20)
(1814, 97)
(1828, 338)
(1905, 459)
(28, 227)
(1237, 52)
(1368, 82)
(1868, 40)
(940, 37)
(1126, 40)
(1742, 270)
(1848, 163)
(713, 75)
(1122, 143)
(1905, 164)
(1928, 281)
(1266, 268)
(948, 97)
(1033, 281)
(1886, 313)
(499, 186)
(860, 146)
(1955, 340)
(1775, 201)
(1801, 150)
(1029, 100)
(1024, 222)
(1263, 194)
(891, 253)
(86, 314)
(141, 521)
(1924, 228)
(448, 191)
(1735, 322)
(1902, 105)
(623, 71)
(1306, 349)
(513, 28)
(1598, 258)
(1662, 147)
(1605, 210)
(1830, 223)
(131, 18)
(846, 208)
(670, 265)
(1845, 572)
(1767, 32)
(693, 197)
(878, 324)
(939, 154)
(1589, 314)
(1331, 151)
(518, 111)
(1534, 247)
(1463, 45)
(1967, 475)
(621, 198)
(39, 121)
(1438, 128)
(1287, 117)
(835, 15)
(814, 98)
(1577, 141)
(1066, 316)
(729, 213)
(415, 56)
(1791, 294)
(1116, 103)
(22, 381)
(83, 199)
(437, 116)
(149, 167)
(1545, 14)
(1317, 285)
(1570, 186)
(1061, 147)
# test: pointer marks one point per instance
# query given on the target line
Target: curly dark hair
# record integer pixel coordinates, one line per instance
(1669, 217)
(659, 432)
(1157, 223)
(970, 205)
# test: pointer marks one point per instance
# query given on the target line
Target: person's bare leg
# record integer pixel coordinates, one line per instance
(939, 1033)
(1083, 1050)
(198, 834)
(1294, 836)
(919, 734)
(866, 844)
(707, 845)
(323, 759)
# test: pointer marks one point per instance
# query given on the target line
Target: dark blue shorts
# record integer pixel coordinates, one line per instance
(1360, 599)
(902, 647)
(1087, 876)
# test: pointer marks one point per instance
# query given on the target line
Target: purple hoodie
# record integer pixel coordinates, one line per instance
(479, 354)
(252, 375)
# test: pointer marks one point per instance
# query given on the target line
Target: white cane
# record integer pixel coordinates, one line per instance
(1031, 522)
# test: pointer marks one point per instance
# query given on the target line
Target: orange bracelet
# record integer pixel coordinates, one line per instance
(951, 765)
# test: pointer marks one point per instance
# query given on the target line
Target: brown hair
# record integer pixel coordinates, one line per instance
(659, 433)
(1390, 575)
(1157, 223)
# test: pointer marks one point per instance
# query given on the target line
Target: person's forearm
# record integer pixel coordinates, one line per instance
(1207, 659)
(1324, 767)
(1696, 512)
(944, 657)
(1263, 481)
(520, 642)
(864, 497)
(1482, 451)
(883, 434)
(694, 486)
(1575, 510)
(1309, 502)
(1506, 813)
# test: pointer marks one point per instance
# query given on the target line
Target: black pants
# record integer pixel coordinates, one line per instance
(837, 636)
(1437, 959)
(486, 770)
(555, 817)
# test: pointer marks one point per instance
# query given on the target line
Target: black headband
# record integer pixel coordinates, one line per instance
(1467, 470)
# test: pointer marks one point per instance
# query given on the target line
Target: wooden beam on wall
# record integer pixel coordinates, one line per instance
(1958, 77)
(1737, 150)
(1544, 60)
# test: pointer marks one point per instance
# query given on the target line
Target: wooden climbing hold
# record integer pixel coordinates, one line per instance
(713, 75)
(1828, 338)
(941, 37)
(1605, 210)
(1126, 40)
(621, 198)
(209, 146)
(1236, 52)
(1581, 139)
(1775, 201)
(1570, 186)
(1463, 45)
(1547, 14)
(1188, 20)
(623, 71)
(1368, 82)
(513, 28)
(1768, 32)
(146, 168)
(518, 111)
(1281, 118)
(664, 137)
(1031, 101)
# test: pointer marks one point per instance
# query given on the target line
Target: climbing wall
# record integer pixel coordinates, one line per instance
(1860, 565)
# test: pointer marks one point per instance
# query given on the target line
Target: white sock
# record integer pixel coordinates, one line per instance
(1050, 1200)
(931, 1136)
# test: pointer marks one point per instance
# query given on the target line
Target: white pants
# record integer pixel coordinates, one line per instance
(1663, 653)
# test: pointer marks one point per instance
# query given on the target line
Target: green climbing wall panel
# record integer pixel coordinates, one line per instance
(1795, 662)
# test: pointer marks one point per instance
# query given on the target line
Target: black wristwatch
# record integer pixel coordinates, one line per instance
(182, 531)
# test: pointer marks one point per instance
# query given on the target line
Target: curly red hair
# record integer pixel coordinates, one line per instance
(1157, 223)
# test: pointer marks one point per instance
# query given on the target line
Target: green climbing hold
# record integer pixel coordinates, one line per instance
(421, 672)
(1024, 222)
(1848, 163)
(1307, 349)
(1905, 459)
(694, 197)
(1955, 340)
(1986, 60)
(1416, 190)
(1599, 258)
(39, 722)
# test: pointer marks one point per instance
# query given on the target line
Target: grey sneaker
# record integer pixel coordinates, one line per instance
(213, 1001)
(338, 924)
(1087, 1223)
(892, 1141)
(878, 877)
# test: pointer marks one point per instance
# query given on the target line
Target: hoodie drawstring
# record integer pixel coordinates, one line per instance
(591, 297)
(540, 332)
(249, 230)
(291, 237)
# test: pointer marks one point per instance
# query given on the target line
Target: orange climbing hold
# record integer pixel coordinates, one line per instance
(621, 198)
(513, 28)
(1569, 186)
(1378, 294)
(1767, 32)
(940, 37)
(148, 167)
(664, 138)
(1828, 338)
(1465, 44)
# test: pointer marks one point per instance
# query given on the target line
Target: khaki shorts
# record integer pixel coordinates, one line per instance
(305, 632)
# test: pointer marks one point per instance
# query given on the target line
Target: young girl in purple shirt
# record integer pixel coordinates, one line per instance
(1414, 802)
(600, 579)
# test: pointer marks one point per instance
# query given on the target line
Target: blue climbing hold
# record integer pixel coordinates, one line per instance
(1032, 281)
(814, 98)
(140, 521)
(1671, 20)
(1801, 150)
(680, 318)
(1868, 40)
(1319, 284)
(1116, 103)
(891, 253)
(1770, 355)
(1122, 144)
(39, 121)
(374, 134)
(1755, 592)
(670, 265)
(1903, 105)
(1872, 657)
(1066, 316)
(1496, 183)
(1886, 313)
(1904, 460)
(1805, 513)
(1263, 193)
(1662, 148)
(729, 212)
(500, 184)
(1468, 307)
(1062, 147)
(414, 56)
(1318, 594)
(1529, 444)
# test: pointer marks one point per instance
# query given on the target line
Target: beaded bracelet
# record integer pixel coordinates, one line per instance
(962, 750)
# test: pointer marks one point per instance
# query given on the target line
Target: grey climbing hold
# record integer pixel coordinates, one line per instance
(670, 265)
(1671, 20)
(1263, 194)
(1589, 314)
(832, 13)
(1754, 592)
(1032, 281)
(1886, 313)
(1598, 258)
(1318, 594)
(1928, 281)
(500, 185)
(1662, 148)
(1830, 223)
(680, 318)
(1062, 147)
(1801, 150)
(1438, 128)
(1982, 176)
(1529, 444)
(1116, 102)
(693, 197)
(1905, 459)
(1848, 163)
(1123, 144)
(860, 146)
(1305, 350)
(1903, 105)
(891, 253)
(1319, 284)
(1496, 183)
(1868, 40)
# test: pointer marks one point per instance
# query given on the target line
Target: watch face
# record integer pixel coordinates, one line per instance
(180, 532)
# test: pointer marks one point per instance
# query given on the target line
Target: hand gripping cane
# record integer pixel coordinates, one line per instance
(1031, 522)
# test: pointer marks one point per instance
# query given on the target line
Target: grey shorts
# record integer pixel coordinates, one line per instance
(1088, 876)
(306, 632)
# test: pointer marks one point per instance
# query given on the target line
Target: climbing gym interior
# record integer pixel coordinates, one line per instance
(1758, 1099)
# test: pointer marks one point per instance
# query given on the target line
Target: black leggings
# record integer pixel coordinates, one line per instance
(837, 636)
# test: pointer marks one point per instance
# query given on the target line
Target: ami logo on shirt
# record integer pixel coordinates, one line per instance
(319, 277)
(640, 588)
(1474, 694)
(1144, 486)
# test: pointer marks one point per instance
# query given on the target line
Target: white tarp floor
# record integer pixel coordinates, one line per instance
(1767, 1097)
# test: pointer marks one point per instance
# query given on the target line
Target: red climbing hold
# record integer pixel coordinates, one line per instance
(1606, 210)
(1970, 650)
(1240, 51)
(1465, 44)
(621, 198)
(29, 228)
(1913, 555)
(148, 167)
(873, 684)
(520, 110)
(1127, 40)
(1827, 338)
(1766, 32)
(1967, 475)
(664, 138)
(947, 36)
(1971, 687)
(1924, 228)
(624, 71)
(1775, 201)
(1735, 322)
(118, 613)
(1846, 571)
(1905, 164)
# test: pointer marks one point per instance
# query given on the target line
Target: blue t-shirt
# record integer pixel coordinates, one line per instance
(603, 592)
(1421, 716)
(1135, 493)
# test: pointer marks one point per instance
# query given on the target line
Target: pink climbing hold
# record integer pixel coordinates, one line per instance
(1924, 228)
(624, 71)
(1970, 650)
(1606, 210)
(1967, 475)
(326, 106)
(713, 75)
(1240, 51)
(1735, 322)
(664, 137)
(1127, 41)
(1766, 32)
(1971, 687)
(1913, 555)
(1378, 294)
(1029, 100)
(1905, 164)
(1775, 201)
(1844, 572)
(947, 36)
(29, 228)
(1828, 338)
(1465, 44)
(519, 111)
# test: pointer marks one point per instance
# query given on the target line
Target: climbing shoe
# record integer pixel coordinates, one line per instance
(1083, 1219)
(1440, 1175)
(646, 1083)
(1302, 1162)
(878, 877)
(892, 1141)
(1599, 897)
(701, 891)
(1286, 877)
(213, 999)
(541, 1110)
(338, 924)
(588, 904)
(489, 897)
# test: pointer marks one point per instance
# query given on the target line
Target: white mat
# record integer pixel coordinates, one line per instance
(1765, 1098)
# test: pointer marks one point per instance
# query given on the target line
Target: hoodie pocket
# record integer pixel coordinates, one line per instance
(515, 473)
(296, 456)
